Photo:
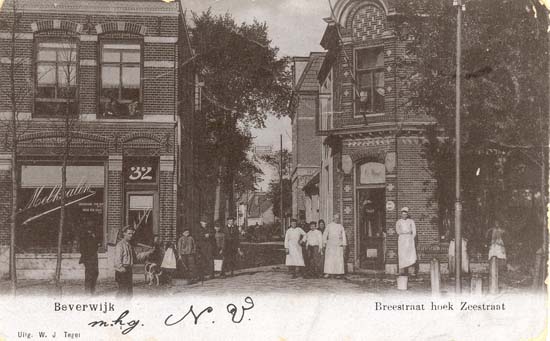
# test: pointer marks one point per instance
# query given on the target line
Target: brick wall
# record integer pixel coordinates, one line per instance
(159, 79)
(167, 207)
(101, 139)
(5, 206)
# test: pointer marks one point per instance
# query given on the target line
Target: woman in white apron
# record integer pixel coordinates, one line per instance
(293, 238)
(406, 229)
(497, 248)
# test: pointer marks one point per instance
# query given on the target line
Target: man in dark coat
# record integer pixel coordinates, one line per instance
(232, 247)
(204, 238)
(89, 244)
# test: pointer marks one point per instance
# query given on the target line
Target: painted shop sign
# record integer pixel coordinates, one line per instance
(41, 191)
(42, 196)
(48, 200)
(372, 173)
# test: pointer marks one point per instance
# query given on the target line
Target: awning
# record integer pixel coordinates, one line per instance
(312, 186)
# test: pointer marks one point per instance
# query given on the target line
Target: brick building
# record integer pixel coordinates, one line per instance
(306, 153)
(112, 68)
(371, 162)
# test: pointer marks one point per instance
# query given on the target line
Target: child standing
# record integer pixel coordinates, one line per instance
(186, 250)
(219, 237)
(314, 250)
(168, 265)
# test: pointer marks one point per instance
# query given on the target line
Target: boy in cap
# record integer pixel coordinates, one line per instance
(314, 249)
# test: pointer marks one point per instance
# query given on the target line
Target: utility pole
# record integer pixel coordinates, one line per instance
(458, 203)
(281, 186)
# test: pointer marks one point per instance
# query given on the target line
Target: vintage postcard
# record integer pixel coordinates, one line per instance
(274, 169)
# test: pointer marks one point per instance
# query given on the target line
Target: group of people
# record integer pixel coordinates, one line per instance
(194, 255)
(315, 253)
(318, 252)
(208, 247)
(406, 247)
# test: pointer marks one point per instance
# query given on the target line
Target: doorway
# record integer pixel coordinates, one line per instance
(141, 214)
(371, 227)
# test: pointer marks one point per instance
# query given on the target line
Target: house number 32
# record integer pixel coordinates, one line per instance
(140, 173)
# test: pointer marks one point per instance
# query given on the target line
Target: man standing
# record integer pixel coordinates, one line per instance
(88, 256)
(232, 247)
(334, 240)
(406, 229)
(294, 256)
(125, 256)
(205, 245)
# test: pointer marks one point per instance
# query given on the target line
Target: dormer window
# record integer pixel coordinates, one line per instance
(369, 87)
(121, 70)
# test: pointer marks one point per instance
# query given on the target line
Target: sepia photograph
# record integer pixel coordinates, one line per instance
(274, 169)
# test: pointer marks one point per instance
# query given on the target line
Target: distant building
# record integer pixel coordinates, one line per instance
(306, 145)
(255, 208)
(260, 151)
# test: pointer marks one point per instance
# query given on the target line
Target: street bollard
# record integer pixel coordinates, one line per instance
(538, 281)
(493, 273)
(435, 277)
(476, 286)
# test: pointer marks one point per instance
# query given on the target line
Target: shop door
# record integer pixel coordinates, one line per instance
(141, 214)
(371, 219)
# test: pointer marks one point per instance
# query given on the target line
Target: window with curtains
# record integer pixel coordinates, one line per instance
(121, 70)
(369, 87)
(56, 78)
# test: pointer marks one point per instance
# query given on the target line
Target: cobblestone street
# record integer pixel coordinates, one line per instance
(269, 279)
(266, 279)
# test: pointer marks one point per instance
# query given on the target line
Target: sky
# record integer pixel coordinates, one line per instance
(295, 26)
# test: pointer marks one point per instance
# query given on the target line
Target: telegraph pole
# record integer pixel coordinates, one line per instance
(458, 203)
(281, 187)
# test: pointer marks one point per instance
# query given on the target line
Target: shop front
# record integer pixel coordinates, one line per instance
(91, 199)
(40, 206)
(39, 212)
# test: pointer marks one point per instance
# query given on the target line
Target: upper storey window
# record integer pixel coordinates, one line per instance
(56, 78)
(369, 71)
(121, 70)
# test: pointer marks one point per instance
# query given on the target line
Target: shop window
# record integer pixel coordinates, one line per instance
(121, 70)
(56, 79)
(369, 87)
(39, 206)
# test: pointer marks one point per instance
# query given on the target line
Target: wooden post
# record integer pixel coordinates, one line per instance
(538, 281)
(435, 277)
(476, 286)
(493, 271)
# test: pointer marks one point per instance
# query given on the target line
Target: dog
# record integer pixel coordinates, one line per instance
(152, 273)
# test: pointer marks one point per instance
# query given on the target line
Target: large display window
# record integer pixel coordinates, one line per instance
(39, 205)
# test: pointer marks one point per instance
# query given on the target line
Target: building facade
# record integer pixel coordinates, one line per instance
(306, 152)
(372, 160)
(105, 74)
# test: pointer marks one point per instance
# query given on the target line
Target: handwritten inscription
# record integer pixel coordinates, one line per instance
(193, 315)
